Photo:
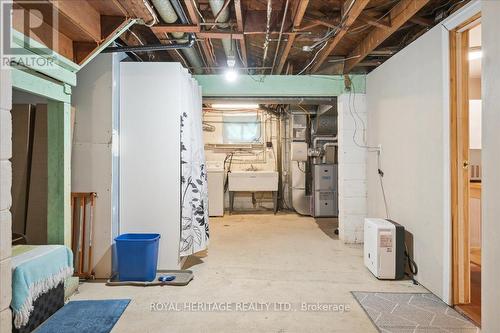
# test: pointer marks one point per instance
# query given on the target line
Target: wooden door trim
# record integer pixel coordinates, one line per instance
(459, 149)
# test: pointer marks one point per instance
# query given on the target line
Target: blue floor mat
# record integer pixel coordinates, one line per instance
(85, 317)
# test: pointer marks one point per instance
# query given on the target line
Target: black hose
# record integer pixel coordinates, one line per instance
(226, 182)
(412, 266)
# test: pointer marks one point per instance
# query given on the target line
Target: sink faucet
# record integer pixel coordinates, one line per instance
(252, 168)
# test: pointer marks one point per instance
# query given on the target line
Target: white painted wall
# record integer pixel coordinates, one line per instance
(408, 115)
(491, 166)
(5, 198)
(94, 99)
(352, 114)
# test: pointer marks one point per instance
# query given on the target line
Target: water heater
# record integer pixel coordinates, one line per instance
(384, 248)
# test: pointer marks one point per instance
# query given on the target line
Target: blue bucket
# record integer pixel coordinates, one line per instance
(137, 256)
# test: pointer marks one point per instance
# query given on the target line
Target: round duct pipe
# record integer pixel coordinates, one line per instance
(168, 14)
(216, 7)
(228, 44)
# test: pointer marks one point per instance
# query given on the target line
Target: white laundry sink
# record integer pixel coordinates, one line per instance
(253, 181)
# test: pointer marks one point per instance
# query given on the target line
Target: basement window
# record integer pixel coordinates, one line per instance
(242, 128)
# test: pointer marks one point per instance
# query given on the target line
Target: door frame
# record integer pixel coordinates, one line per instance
(459, 151)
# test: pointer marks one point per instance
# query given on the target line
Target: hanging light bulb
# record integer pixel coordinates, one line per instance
(231, 74)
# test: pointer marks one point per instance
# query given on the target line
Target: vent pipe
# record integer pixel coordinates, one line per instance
(169, 14)
(228, 44)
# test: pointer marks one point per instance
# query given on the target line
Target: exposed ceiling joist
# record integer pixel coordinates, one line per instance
(193, 16)
(219, 35)
(374, 22)
(350, 17)
(82, 15)
(400, 14)
(240, 24)
(169, 28)
(195, 20)
(332, 25)
(45, 33)
(297, 21)
(307, 27)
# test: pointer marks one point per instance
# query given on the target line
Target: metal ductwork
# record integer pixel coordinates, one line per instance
(168, 14)
(228, 44)
(216, 7)
(170, 11)
(147, 48)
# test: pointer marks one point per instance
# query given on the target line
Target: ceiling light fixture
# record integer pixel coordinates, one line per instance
(235, 106)
(231, 75)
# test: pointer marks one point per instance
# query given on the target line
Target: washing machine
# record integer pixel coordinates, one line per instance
(215, 171)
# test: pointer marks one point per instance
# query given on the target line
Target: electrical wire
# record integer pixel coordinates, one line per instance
(280, 35)
(324, 40)
(268, 28)
(151, 12)
(412, 265)
(381, 176)
(353, 111)
(313, 59)
(197, 10)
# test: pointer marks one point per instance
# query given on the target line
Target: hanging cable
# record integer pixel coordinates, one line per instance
(151, 12)
(313, 59)
(268, 28)
(280, 35)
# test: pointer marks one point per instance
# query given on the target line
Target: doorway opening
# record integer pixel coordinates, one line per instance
(269, 155)
(465, 51)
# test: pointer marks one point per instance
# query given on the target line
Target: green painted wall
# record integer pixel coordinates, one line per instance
(59, 149)
(278, 85)
(59, 173)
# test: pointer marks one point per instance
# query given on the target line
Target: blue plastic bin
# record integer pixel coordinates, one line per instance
(137, 256)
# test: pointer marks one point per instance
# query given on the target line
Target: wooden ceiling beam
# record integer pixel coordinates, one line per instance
(195, 20)
(219, 35)
(45, 33)
(82, 15)
(239, 21)
(329, 24)
(169, 28)
(400, 14)
(350, 17)
(307, 27)
(299, 13)
(374, 22)
(193, 15)
(297, 21)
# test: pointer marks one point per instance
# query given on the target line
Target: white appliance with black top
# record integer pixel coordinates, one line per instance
(384, 248)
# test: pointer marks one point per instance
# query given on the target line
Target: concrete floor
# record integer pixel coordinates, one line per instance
(265, 259)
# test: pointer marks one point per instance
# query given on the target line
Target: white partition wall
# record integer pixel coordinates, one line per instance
(153, 97)
(94, 165)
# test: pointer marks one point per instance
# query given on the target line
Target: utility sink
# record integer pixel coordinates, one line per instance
(253, 181)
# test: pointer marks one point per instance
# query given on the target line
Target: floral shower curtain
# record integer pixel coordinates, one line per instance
(194, 199)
